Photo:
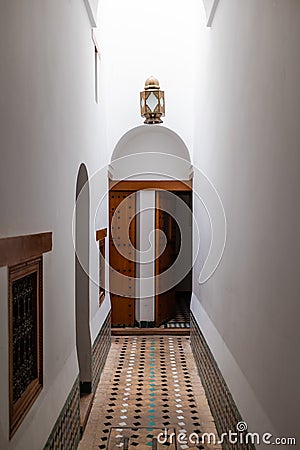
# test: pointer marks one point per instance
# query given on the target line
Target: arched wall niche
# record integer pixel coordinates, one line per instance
(150, 152)
(82, 291)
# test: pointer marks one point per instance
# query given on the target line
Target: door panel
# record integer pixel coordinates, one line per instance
(164, 301)
(122, 229)
(185, 286)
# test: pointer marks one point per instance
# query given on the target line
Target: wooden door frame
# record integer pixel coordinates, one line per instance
(138, 185)
(187, 189)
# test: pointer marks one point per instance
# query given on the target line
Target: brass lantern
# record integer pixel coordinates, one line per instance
(152, 101)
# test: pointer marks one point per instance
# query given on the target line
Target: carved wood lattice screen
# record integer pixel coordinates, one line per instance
(25, 338)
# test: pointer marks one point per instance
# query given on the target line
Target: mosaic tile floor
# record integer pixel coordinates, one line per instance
(149, 384)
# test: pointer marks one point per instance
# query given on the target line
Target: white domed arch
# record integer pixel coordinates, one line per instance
(150, 152)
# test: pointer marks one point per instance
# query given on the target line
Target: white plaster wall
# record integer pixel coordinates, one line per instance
(247, 140)
(99, 220)
(50, 123)
(139, 41)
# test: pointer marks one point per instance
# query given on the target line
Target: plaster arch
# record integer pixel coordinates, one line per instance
(150, 152)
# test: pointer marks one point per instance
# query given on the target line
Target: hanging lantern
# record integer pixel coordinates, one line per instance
(152, 102)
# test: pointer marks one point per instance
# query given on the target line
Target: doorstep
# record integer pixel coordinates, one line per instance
(150, 331)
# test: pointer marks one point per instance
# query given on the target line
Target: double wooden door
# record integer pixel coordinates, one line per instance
(122, 210)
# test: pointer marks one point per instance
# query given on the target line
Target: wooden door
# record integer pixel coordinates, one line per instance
(164, 301)
(122, 229)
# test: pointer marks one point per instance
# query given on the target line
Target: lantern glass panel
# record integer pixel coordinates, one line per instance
(152, 101)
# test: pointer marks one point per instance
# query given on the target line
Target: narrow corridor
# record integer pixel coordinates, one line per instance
(149, 384)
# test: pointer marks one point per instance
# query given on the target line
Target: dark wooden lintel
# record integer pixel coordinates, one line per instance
(136, 185)
(15, 250)
(101, 234)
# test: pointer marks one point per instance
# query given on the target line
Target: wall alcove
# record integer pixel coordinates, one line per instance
(82, 291)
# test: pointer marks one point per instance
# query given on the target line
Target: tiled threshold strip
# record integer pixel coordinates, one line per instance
(149, 384)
